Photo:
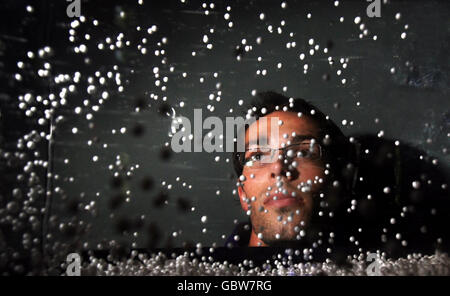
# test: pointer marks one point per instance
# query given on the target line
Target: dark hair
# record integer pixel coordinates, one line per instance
(336, 145)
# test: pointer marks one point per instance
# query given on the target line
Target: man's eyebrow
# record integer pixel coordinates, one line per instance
(300, 138)
(257, 141)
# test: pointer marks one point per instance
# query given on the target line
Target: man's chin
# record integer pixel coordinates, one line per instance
(285, 243)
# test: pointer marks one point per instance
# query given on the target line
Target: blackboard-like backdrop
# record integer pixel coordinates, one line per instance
(384, 76)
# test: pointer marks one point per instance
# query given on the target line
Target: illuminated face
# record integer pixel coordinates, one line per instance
(281, 186)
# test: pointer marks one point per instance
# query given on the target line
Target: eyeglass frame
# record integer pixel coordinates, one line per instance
(284, 149)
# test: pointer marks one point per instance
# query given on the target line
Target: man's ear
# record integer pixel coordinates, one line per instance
(242, 196)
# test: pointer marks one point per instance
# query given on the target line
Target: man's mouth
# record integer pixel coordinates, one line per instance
(280, 200)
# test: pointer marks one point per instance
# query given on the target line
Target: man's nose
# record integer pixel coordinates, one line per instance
(277, 167)
(284, 168)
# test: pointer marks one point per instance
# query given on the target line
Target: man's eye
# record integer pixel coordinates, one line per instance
(254, 157)
(307, 153)
(257, 156)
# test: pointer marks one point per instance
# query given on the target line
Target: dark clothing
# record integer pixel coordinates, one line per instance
(243, 230)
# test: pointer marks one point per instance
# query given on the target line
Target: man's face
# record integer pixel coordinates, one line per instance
(281, 193)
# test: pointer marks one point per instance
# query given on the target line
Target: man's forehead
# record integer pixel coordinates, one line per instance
(296, 128)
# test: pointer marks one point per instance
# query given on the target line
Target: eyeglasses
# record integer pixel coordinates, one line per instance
(304, 152)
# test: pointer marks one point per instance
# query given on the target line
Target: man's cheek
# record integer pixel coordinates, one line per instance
(317, 172)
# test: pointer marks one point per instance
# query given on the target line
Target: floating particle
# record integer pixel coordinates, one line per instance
(204, 219)
(116, 182)
(183, 204)
(138, 130)
(147, 183)
(357, 20)
(12, 207)
(165, 153)
(160, 200)
(116, 201)
(164, 109)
